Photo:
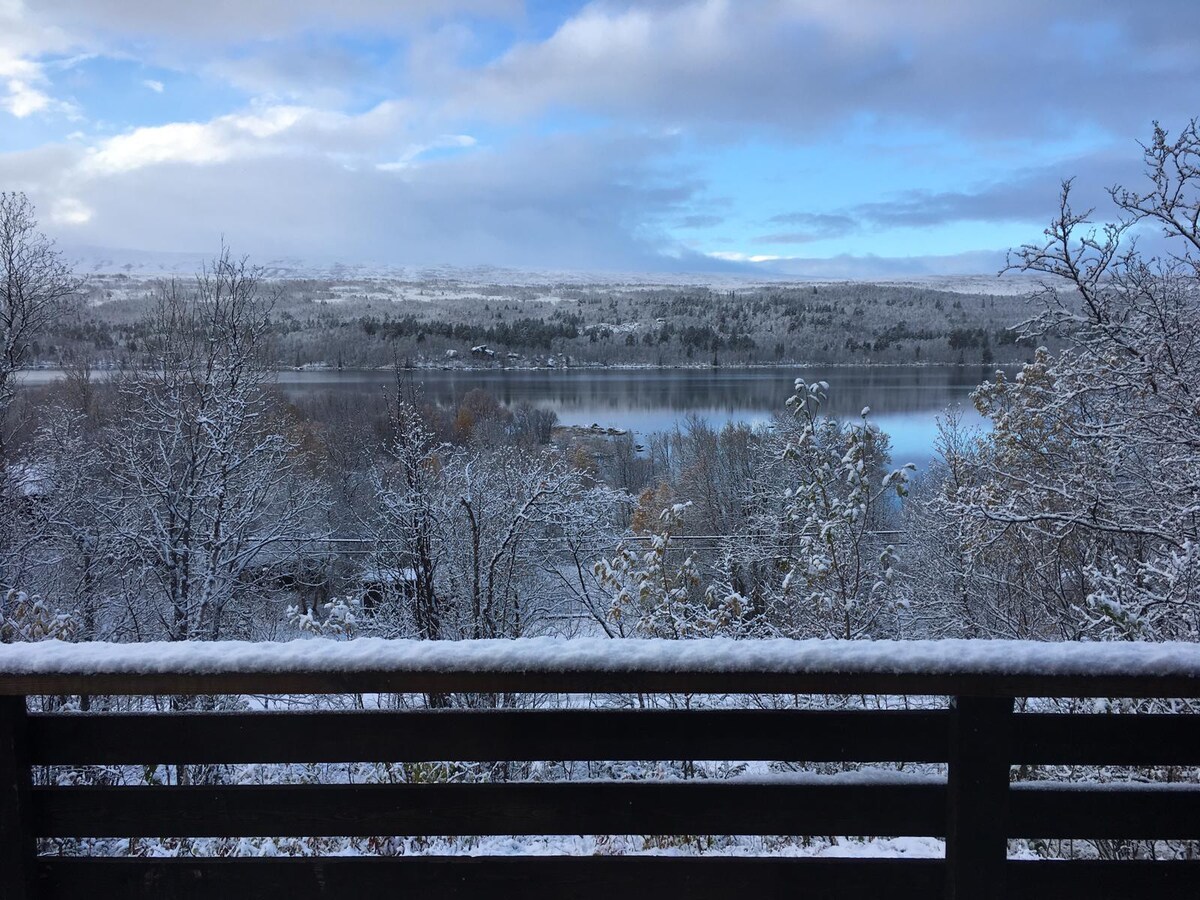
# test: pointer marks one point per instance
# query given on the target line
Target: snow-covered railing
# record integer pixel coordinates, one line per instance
(978, 734)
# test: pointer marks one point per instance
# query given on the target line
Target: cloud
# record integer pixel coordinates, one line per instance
(736, 256)
(442, 142)
(556, 201)
(700, 221)
(1028, 195)
(274, 48)
(815, 227)
(1025, 196)
(191, 142)
(419, 132)
(260, 131)
(234, 22)
(22, 98)
(847, 266)
(809, 67)
(69, 211)
(308, 70)
(23, 80)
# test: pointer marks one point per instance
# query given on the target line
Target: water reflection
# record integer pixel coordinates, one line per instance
(905, 400)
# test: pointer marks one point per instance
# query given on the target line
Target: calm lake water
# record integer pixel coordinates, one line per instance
(905, 401)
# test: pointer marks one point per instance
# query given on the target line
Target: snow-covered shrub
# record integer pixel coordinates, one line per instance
(26, 618)
(1077, 513)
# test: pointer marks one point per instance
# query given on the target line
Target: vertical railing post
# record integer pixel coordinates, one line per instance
(977, 797)
(18, 849)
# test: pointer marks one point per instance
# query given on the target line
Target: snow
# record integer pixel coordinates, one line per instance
(868, 776)
(554, 655)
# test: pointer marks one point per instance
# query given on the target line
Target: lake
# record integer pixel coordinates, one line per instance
(905, 401)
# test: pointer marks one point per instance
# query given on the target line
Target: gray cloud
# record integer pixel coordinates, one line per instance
(700, 221)
(286, 48)
(982, 70)
(1029, 195)
(555, 202)
(814, 227)
(305, 71)
(234, 22)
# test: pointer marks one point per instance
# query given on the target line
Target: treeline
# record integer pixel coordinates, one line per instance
(523, 333)
(312, 324)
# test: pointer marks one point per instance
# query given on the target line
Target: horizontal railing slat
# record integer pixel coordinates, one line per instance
(676, 808)
(1090, 879)
(489, 878)
(588, 734)
(316, 737)
(594, 878)
(1104, 812)
(1115, 740)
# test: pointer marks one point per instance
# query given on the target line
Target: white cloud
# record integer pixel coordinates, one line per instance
(23, 82)
(443, 142)
(735, 256)
(70, 211)
(23, 99)
(21, 96)
(187, 142)
(156, 86)
(263, 131)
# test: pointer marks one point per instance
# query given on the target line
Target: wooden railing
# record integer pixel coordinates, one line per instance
(978, 734)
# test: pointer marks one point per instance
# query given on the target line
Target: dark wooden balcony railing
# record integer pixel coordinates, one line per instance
(978, 734)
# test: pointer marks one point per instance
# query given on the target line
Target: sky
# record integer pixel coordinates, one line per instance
(806, 137)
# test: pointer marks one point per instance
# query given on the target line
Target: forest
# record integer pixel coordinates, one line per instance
(386, 322)
(163, 489)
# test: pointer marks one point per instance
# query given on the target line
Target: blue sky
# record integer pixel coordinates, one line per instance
(793, 136)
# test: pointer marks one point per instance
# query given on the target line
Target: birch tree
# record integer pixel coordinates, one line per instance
(210, 484)
(34, 283)
(411, 515)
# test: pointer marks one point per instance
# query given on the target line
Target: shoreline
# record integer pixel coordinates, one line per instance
(46, 374)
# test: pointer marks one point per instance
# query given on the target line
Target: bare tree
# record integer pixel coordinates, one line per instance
(211, 488)
(408, 497)
(34, 282)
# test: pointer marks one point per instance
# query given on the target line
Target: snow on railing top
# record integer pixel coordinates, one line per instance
(599, 664)
(568, 655)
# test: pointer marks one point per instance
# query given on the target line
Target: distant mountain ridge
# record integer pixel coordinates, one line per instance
(150, 264)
